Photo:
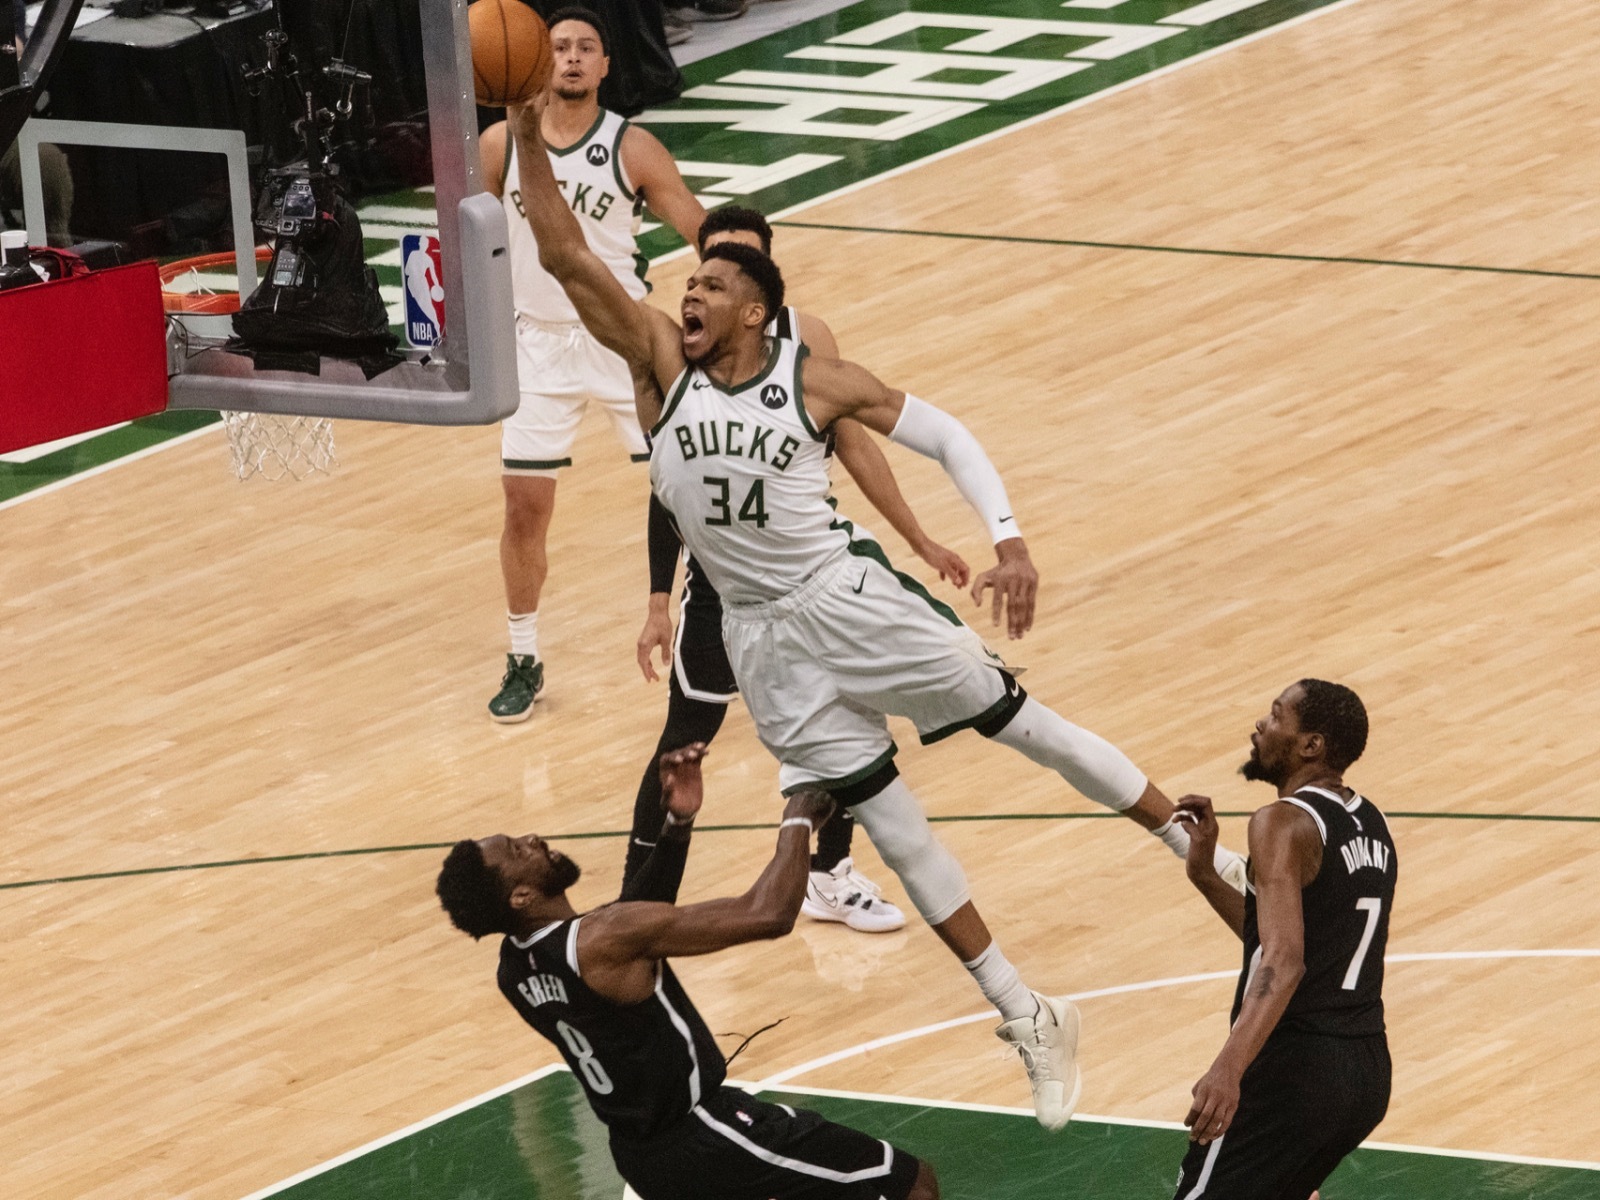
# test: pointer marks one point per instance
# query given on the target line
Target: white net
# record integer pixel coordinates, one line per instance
(277, 447)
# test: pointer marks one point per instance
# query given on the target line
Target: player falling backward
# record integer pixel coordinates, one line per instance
(1304, 1076)
(598, 986)
(701, 681)
(824, 637)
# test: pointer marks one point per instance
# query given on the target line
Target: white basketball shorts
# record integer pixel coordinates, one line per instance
(820, 668)
(560, 369)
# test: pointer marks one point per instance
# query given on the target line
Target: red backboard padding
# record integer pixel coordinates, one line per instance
(80, 354)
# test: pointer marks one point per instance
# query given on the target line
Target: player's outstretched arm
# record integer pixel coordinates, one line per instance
(616, 941)
(682, 791)
(1197, 813)
(1285, 854)
(870, 469)
(835, 389)
(644, 337)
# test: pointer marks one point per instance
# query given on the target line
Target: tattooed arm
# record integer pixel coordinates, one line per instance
(1285, 855)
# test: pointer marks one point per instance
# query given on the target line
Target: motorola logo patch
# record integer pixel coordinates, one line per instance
(598, 156)
(774, 396)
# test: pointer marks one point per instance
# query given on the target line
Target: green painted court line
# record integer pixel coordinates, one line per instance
(595, 834)
(541, 1141)
(17, 478)
(1086, 244)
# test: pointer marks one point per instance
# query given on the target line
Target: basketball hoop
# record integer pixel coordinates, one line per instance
(264, 444)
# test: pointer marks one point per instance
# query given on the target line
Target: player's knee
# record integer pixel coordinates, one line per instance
(529, 502)
(926, 1186)
(933, 879)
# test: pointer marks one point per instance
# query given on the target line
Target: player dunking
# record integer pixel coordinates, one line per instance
(1304, 1075)
(825, 638)
(701, 681)
(608, 171)
(597, 985)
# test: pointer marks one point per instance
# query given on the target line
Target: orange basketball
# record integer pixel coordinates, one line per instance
(510, 52)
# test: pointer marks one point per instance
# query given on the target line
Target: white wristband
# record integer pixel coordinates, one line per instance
(806, 821)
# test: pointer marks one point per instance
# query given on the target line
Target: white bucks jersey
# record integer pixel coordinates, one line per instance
(745, 476)
(594, 183)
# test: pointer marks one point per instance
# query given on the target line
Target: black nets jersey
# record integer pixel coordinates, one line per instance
(643, 1066)
(1346, 912)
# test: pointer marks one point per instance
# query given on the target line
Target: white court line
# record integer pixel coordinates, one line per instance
(107, 466)
(814, 1064)
(1148, 985)
(772, 1081)
(426, 1122)
(893, 173)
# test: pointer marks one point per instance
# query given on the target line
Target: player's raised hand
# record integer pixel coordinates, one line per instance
(524, 119)
(682, 789)
(1198, 816)
(948, 563)
(1216, 1100)
(813, 804)
(1015, 584)
(656, 635)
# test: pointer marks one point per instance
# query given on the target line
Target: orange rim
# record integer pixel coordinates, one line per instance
(215, 303)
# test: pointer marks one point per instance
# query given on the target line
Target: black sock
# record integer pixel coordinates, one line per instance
(833, 840)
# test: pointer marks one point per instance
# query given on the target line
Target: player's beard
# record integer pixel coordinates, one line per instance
(1257, 771)
(563, 874)
(572, 91)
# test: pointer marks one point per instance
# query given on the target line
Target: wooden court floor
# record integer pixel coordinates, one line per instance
(1233, 471)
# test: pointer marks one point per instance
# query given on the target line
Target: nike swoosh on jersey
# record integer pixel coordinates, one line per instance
(859, 586)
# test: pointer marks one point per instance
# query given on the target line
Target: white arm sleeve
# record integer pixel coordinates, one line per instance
(937, 435)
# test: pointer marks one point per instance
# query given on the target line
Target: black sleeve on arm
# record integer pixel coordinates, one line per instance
(662, 872)
(664, 547)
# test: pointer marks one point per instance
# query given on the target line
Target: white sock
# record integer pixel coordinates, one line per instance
(1175, 837)
(1001, 985)
(524, 633)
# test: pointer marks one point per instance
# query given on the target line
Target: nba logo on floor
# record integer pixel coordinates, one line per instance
(424, 279)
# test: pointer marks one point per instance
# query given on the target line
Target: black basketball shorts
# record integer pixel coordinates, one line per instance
(736, 1147)
(699, 658)
(1306, 1102)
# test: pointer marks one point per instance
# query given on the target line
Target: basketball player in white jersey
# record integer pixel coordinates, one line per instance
(824, 637)
(608, 171)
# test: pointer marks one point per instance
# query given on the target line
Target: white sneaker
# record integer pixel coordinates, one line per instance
(1048, 1043)
(844, 894)
(1236, 872)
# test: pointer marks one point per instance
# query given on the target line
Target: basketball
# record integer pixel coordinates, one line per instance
(510, 52)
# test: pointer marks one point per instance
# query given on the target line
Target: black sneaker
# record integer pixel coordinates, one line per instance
(524, 680)
(712, 10)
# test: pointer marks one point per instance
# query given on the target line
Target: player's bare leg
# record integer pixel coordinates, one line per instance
(524, 564)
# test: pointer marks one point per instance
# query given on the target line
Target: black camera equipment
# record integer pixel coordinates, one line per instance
(319, 296)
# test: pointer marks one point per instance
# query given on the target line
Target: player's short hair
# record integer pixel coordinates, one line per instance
(577, 12)
(471, 892)
(1337, 713)
(760, 269)
(734, 218)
